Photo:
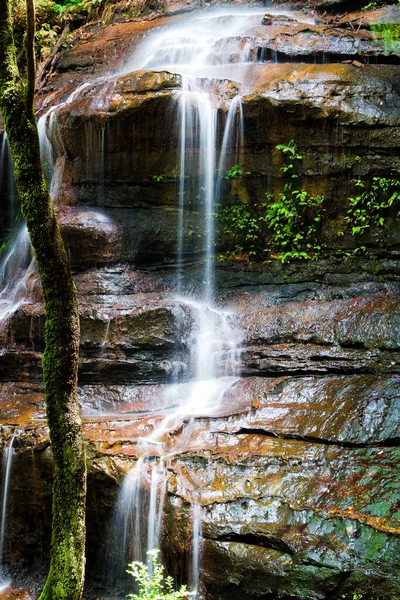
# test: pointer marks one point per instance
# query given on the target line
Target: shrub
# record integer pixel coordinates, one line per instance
(153, 585)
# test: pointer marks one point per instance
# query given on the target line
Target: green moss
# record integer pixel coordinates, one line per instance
(380, 509)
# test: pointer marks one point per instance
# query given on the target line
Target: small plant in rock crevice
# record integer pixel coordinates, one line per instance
(159, 178)
(370, 6)
(294, 217)
(290, 151)
(370, 208)
(163, 177)
(242, 225)
(236, 172)
(152, 583)
(291, 219)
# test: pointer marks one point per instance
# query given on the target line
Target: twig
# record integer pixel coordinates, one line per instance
(46, 67)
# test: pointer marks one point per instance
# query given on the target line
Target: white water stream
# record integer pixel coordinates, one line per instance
(196, 548)
(7, 183)
(18, 273)
(17, 267)
(200, 49)
(215, 359)
(8, 452)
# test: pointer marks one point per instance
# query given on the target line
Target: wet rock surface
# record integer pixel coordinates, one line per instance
(329, 82)
(296, 473)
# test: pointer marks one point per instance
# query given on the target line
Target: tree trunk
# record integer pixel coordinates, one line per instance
(60, 361)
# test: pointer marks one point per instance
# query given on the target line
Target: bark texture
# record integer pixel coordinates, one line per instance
(60, 362)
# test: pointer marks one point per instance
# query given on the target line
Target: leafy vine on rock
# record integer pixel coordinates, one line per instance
(287, 226)
(295, 216)
(291, 220)
(370, 207)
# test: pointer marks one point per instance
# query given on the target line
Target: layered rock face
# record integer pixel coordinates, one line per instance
(330, 88)
(290, 481)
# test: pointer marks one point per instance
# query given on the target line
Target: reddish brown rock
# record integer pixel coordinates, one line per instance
(295, 474)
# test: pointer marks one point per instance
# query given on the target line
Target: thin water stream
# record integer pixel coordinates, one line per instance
(7, 185)
(8, 453)
(17, 267)
(18, 273)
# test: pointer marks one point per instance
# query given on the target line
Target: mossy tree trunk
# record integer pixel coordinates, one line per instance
(60, 361)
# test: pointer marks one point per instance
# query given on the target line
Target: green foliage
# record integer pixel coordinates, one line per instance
(51, 18)
(390, 34)
(159, 178)
(294, 220)
(45, 39)
(370, 207)
(153, 585)
(48, 25)
(349, 161)
(7, 240)
(52, 15)
(5, 244)
(290, 151)
(236, 172)
(171, 176)
(71, 7)
(242, 225)
(294, 217)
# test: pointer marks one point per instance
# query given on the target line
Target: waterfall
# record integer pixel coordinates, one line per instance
(190, 48)
(210, 134)
(158, 489)
(16, 267)
(233, 135)
(7, 185)
(6, 470)
(17, 275)
(50, 138)
(196, 540)
(46, 147)
(198, 131)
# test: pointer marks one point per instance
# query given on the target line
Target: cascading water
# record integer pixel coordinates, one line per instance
(196, 540)
(50, 138)
(18, 275)
(17, 267)
(8, 452)
(210, 130)
(215, 358)
(194, 50)
(7, 185)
